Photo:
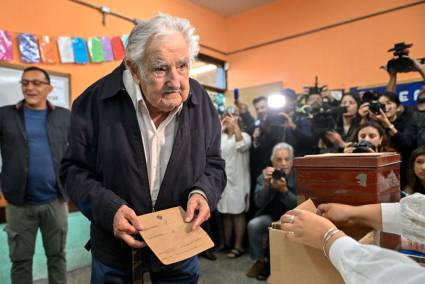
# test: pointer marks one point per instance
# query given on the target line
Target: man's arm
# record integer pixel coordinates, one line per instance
(392, 82)
(77, 173)
(246, 117)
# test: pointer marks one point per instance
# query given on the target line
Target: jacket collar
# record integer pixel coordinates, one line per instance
(20, 106)
(114, 84)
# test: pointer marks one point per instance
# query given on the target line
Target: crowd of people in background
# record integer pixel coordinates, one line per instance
(313, 123)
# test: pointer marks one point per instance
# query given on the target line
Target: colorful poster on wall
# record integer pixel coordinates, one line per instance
(117, 48)
(48, 50)
(28, 48)
(95, 49)
(6, 52)
(107, 48)
(65, 49)
(81, 55)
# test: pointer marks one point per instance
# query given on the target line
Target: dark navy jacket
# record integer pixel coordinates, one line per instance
(105, 166)
(14, 148)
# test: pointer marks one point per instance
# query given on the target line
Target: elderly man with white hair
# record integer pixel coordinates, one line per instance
(275, 193)
(144, 138)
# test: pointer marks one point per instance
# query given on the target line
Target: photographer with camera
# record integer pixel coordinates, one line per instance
(275, 194)
(337, 126)
(419, 117)
(399, 125)
(260, 106)
(369, 138)
(284, 124)
(402, 63)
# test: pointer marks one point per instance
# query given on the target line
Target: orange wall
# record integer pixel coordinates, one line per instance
(63, 17)
(344, 56)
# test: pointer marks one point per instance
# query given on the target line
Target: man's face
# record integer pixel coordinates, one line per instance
(282, 160)
(261, 108)
(166, 68)
(35, 89)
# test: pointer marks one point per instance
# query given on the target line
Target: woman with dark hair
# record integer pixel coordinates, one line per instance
(234, 201)
(346, 125)
(416, 172)
(398, 124)
(371, 132)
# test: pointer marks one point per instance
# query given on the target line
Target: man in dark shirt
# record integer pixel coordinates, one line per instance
(144, 138)
(33, 137)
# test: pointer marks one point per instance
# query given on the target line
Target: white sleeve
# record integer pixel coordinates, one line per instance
(406, 218)
(371, 264)
(244, 144)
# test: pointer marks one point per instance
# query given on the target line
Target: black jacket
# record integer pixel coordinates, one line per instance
(14, 148)
(105, 167)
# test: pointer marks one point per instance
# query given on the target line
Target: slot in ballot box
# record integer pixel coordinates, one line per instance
(354, 179)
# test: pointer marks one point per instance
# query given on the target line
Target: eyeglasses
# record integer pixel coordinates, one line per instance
(36, 83)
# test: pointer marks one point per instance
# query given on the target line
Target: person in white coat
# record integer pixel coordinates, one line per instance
(355, 262)
(234, 200)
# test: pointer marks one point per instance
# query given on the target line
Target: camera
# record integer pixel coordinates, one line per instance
(275, 119)
(375, 107)
(363, 147)
(324, 119)
(278, 174)
(402, 63)
(276, 105)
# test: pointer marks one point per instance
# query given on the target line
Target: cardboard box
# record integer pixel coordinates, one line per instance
(294, 263)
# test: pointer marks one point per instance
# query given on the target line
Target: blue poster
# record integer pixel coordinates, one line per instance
(407, 92)
(79, 47)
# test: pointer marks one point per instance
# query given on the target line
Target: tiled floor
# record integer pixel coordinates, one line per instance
(221, 271)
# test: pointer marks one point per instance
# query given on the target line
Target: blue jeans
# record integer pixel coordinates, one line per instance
(184, 272)
(258, 236)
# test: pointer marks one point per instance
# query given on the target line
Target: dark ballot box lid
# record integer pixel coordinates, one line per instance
(353, 179)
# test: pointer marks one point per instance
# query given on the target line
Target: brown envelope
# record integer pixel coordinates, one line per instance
(170, 238)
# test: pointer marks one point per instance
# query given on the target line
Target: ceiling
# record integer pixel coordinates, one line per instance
(230, 7)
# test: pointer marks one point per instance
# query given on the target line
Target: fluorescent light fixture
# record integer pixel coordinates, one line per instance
(203, 69)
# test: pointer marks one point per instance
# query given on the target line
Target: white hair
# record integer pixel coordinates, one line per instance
(282, 146)
(160, 25)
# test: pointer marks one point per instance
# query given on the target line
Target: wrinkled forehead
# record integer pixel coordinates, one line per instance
(167, 46)
(281, 154)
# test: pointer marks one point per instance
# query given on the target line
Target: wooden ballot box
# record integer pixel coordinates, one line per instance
(353, 179)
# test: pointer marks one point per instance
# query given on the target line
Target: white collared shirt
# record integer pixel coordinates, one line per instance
(157, 142)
